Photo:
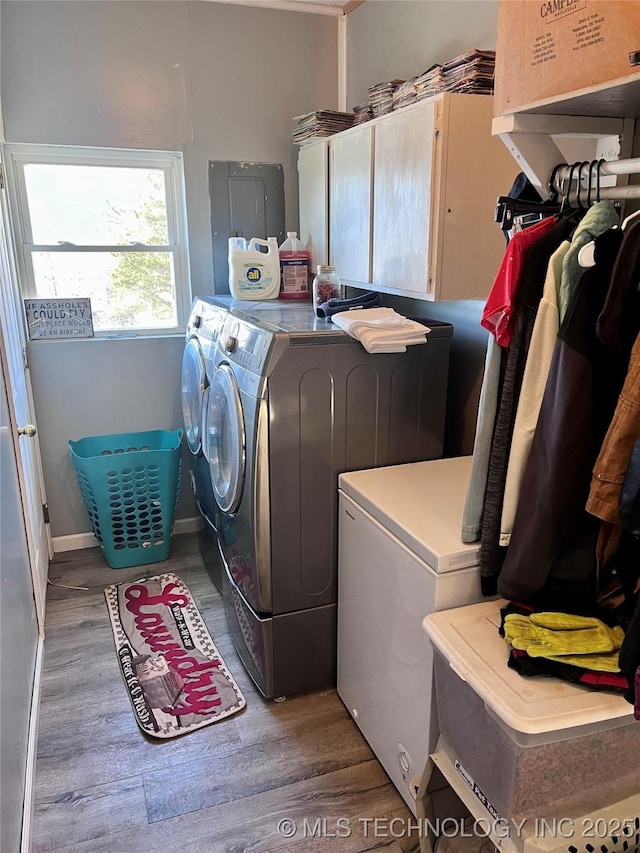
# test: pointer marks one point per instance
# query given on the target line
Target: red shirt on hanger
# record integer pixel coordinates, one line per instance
(498, 310)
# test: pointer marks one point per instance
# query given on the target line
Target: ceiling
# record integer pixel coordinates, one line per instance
(317, 7)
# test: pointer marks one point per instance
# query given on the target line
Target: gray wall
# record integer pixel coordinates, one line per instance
(101, 387)
(401, 38)
(220, 82)
(468, 349)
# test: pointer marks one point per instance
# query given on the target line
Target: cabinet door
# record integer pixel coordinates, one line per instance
(403, 200)
(313, 178)
(350, 204)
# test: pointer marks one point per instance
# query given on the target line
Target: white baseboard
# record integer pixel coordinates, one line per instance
(75, 541)
(32, 751)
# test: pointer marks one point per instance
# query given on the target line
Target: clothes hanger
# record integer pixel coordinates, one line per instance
(590, 181)
(581, 166)
(509, 207)
(553, 190)
(586, 255)
(628, 219)
(598, 167)
(565, 208)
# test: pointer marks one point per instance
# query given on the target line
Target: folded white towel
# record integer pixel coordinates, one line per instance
(387, 341)
(379, 318)
(381, 329)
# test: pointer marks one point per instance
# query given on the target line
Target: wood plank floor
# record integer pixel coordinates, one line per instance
(103, 787)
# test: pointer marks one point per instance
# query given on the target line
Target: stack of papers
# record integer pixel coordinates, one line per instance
(381, 329)
(405, 94)
(430, 82)
(363, 113)
(381, 96)
(320, 123)
(471, 72)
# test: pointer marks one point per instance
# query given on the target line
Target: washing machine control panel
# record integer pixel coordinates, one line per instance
(245, 345)
(229, 344)
(205, 322)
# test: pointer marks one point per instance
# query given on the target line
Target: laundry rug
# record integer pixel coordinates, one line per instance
(176, 679)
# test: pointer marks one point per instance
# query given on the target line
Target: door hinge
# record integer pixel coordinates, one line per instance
(45, 513)
(25, 359)
(1, 176)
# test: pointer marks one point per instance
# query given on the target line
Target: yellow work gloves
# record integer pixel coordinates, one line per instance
(577, 640)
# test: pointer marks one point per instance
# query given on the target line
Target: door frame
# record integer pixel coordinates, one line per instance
(13, 351)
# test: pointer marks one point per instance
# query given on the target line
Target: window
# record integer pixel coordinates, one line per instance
(108, 224)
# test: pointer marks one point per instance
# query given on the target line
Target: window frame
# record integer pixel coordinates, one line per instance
(17, 155)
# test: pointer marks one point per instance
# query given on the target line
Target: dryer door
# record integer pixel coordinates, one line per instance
(225, 439)
(194, 382)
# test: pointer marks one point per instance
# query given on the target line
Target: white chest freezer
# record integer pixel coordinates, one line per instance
(400, 557)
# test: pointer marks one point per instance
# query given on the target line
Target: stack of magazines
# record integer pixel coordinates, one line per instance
(363, 113)
(430, 82)
(381, 96)
(405, 94)
(320, 123)
(471, 72)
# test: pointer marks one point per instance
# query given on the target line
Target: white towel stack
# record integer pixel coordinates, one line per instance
(381, 329)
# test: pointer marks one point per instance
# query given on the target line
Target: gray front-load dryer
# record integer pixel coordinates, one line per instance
(204, 324)
(294, 402)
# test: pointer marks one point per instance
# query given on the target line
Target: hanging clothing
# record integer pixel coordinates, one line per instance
(618, 323)
(543, 340)
(599, 218)
(526, 300)
(630, 658)
(613, 460)
(615, 324)
(497, 316)
(487, 407)
(553, 539)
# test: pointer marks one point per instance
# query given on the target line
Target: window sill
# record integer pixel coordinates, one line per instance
(111, 338)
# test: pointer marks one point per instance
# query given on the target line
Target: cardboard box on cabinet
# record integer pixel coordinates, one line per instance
(548, 48)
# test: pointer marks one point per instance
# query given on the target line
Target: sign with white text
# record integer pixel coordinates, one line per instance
(58, 318)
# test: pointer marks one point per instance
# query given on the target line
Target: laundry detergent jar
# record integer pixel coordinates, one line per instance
(254, 269)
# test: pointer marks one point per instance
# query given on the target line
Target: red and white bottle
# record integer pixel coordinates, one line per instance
(294, 268)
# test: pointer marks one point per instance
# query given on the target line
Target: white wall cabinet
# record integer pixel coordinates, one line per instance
(412, 200)
(350, 203)
(313, 184)
(405, 145)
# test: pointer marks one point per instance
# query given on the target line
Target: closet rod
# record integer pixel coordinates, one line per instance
(630, 166)
(607, 167)
(617, 192)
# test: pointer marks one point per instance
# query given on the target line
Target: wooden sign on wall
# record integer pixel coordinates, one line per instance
(58, 318)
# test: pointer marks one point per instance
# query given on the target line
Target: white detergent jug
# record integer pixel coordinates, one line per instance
(254, 274)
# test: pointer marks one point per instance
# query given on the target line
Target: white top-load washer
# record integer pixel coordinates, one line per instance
(400, 557)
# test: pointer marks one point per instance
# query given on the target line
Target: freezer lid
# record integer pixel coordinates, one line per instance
(421, 503)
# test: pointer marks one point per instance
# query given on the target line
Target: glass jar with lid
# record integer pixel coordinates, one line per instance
(326, 285)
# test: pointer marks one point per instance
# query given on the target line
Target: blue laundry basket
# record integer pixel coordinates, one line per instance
(129, 483)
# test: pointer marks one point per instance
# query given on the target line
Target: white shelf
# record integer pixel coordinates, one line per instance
(596, 122)
(618, 100)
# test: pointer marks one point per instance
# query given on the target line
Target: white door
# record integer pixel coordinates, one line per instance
(350, 204)
(18, 381)
(313, 186)
(18, 640)
(403, 193)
